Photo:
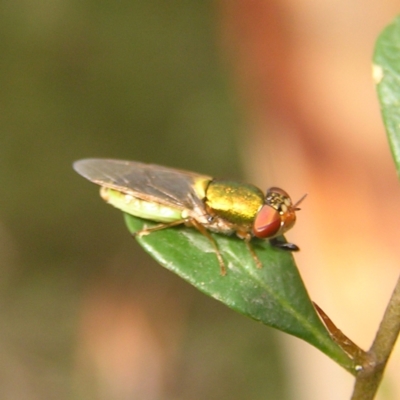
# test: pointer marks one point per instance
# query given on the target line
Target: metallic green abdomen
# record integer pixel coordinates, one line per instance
(236, 202)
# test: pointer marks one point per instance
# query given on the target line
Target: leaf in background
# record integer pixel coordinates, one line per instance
(386, 72)
(274, 294)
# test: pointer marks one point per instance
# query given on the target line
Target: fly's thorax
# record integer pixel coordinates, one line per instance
(235, 204)
(140, 208)
(276, 216)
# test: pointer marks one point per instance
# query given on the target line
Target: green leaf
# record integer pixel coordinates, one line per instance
(274, 294)
(386, 72)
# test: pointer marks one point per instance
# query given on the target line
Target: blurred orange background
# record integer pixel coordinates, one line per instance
(304, 72)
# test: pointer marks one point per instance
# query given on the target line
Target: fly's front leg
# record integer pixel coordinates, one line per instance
(246, 236)
(252, 252)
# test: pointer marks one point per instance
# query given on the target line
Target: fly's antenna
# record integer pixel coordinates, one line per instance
(295, 205)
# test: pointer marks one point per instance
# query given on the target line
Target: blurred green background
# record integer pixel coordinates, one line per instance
(85, 313)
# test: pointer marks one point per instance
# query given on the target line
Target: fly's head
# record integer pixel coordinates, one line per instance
(276, 216)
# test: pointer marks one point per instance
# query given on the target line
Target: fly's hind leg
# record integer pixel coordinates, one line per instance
(147, 231)
(190, 222)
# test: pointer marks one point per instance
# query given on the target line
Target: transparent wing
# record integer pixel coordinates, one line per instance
(148, 182)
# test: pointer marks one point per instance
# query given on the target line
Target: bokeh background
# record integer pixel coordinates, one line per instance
(273, 92)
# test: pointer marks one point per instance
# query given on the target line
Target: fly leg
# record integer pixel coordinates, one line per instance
(146, 231)
(252, 252)
(207, 234)
(190, 222)
(246, 236)
(274, 242)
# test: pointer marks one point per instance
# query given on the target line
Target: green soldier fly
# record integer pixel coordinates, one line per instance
(175, 197)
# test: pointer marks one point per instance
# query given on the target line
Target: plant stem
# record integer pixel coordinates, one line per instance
(370, 376)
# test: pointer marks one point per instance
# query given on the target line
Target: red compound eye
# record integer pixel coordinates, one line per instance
(267, 222)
